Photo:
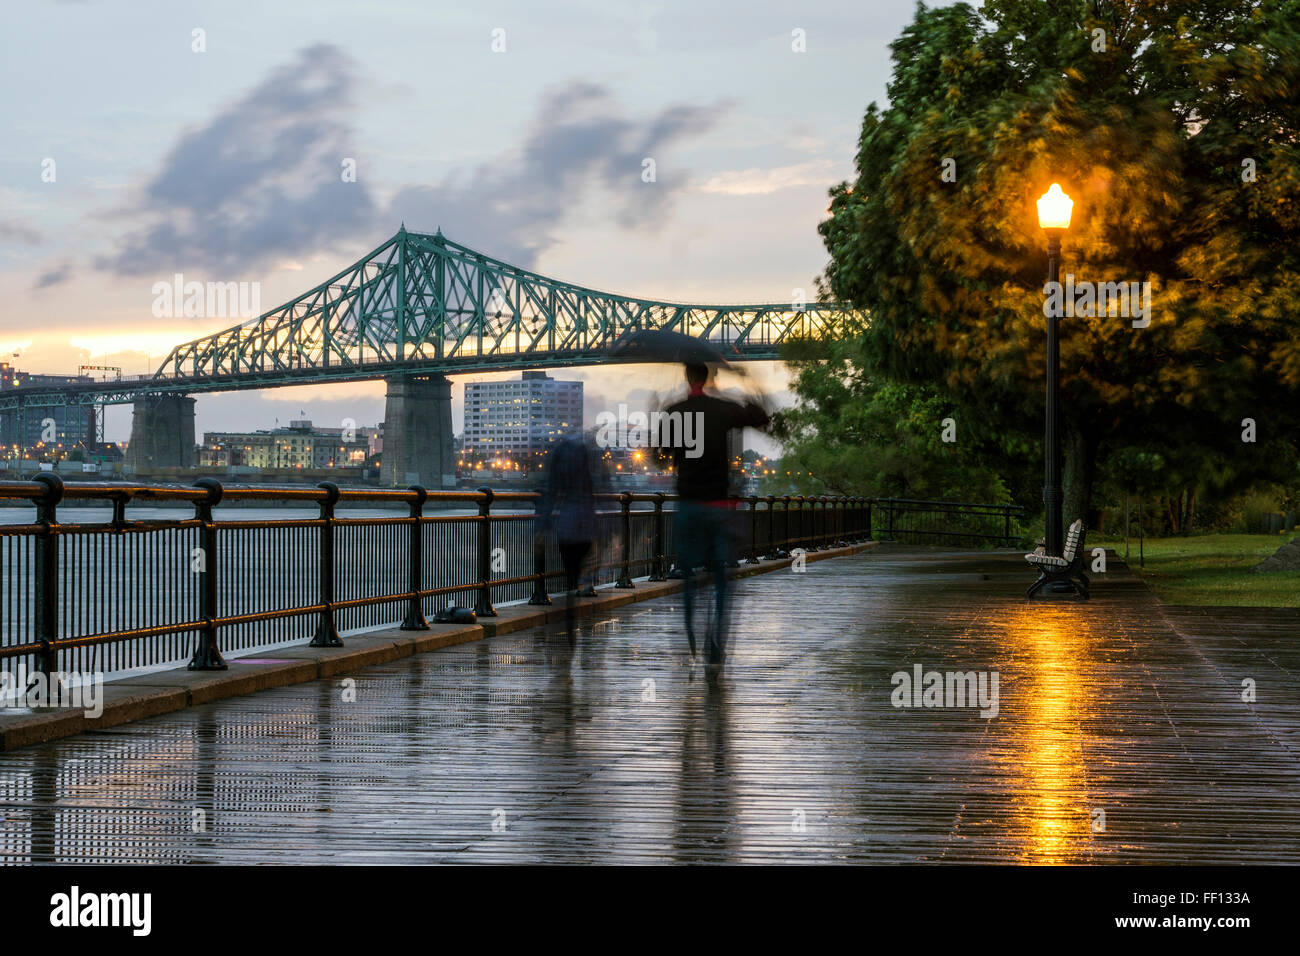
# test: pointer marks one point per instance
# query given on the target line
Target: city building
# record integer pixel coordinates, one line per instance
(54, 432)
(298, 446)
(520, 418)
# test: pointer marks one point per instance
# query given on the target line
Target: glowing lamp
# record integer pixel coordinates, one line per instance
(1054, 209)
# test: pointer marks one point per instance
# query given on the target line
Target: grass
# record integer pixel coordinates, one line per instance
(1214, 569)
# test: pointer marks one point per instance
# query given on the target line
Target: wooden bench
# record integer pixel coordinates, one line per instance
(1067, 568)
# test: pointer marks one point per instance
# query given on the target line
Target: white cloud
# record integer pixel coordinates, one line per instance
(761, 182)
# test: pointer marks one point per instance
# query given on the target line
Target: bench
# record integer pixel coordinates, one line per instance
(1067, 569)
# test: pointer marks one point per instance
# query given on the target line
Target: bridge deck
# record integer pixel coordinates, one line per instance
(1108, 706)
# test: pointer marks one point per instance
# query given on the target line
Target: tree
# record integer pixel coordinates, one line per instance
(856, 436)
(1146, 113)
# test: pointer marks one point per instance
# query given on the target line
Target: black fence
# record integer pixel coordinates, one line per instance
(121, 594)
(959, 524)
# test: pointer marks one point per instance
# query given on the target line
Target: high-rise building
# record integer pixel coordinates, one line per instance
(520, 417)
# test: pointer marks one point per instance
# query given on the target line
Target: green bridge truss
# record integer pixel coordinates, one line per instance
(422, 303)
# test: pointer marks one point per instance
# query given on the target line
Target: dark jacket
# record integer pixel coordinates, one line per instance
(705, 478)
(567, 504)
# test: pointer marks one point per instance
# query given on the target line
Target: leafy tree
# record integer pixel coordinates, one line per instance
(1152, 115)
(856, 436)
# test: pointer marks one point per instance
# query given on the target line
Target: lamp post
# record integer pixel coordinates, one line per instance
(1054, 218)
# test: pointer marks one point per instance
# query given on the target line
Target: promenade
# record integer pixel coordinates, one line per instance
(1121, 736)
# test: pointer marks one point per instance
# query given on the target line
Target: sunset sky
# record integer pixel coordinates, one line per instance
(224, 165)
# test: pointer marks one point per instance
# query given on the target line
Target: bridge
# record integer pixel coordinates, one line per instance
(414, 310)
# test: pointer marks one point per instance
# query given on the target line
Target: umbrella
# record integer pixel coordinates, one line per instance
(662, 345)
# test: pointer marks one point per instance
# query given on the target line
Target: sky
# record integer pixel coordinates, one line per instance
(144, 139)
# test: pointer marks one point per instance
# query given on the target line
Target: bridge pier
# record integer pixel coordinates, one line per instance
(417, 433)
(162, 432)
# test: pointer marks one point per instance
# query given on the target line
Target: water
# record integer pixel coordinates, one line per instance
(102, 515)
(112, 582)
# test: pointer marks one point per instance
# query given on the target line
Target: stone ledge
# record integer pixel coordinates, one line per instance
(517, 617)
(358, 650)
(122, 704)
(246, 675)
(437, 636)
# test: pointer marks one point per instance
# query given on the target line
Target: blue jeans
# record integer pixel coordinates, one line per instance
(704, 540)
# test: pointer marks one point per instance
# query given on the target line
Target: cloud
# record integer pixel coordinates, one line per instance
(59, 273)
(579, 145)
(19, 232)
(760, 182)
(261, 179)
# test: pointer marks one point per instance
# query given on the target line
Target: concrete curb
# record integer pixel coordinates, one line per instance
(161, 692)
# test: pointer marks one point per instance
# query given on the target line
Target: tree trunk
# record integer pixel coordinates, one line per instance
(1078, 467)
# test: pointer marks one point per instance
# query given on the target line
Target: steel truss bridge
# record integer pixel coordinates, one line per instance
(422, 303)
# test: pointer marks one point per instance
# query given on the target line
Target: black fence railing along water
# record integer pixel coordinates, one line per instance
(120, 594)
(955, 523)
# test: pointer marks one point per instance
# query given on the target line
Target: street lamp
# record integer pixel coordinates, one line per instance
(1054, 218)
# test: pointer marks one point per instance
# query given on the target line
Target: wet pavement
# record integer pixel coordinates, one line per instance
(1121, 735)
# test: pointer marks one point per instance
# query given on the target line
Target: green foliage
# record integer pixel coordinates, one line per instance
(859, 437)
(1148, 136)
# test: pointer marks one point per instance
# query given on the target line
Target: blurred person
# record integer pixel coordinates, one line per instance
(602, 483)
(704, 509)
(568, 507)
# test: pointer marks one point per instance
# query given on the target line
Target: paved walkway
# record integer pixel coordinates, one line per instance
(506, 751)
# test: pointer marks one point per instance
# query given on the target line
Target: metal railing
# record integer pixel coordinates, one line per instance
(956, 523)
(121, 594)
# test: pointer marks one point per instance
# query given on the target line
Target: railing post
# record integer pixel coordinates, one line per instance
(753, 530)
(540, 595)
(483, 607)
(207, 656)
(785, 525)
(327, 635)
(803, 539)
(625, 566)
(47, 570)
(871, 534)
(657, 560)
(1006, 526)
(415, 619)
(771, 527)
(889, 530)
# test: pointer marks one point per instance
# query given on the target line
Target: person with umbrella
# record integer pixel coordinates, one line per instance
(704, 509)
